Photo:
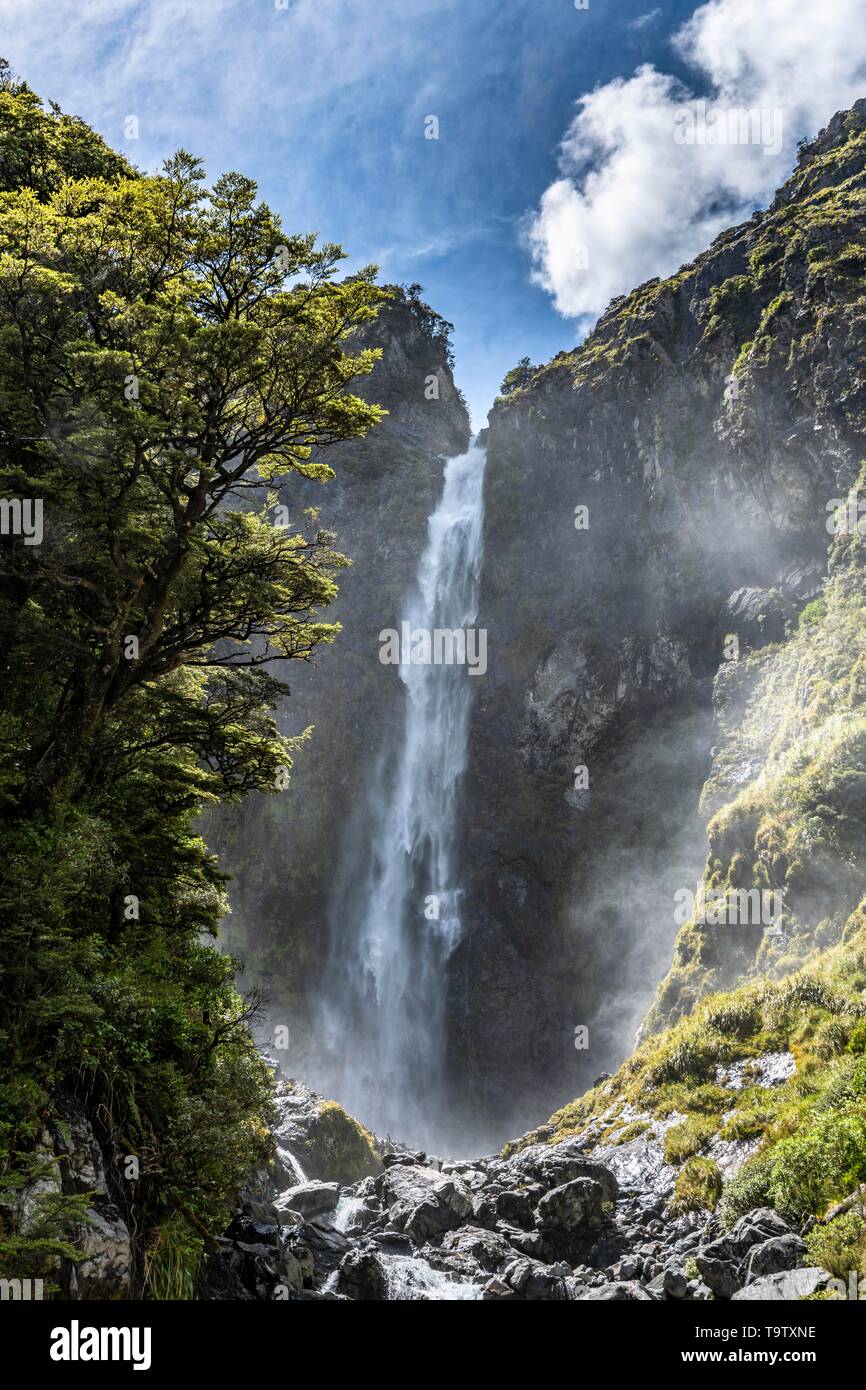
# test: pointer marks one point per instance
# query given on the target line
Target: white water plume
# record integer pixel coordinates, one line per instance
(395, 917)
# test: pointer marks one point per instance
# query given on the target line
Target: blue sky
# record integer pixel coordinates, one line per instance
(324, 103)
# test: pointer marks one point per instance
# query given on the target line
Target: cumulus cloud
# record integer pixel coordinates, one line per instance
(652, 169)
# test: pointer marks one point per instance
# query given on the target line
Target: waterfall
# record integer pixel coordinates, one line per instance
(395, 915)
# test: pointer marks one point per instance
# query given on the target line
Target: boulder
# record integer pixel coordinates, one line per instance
(623, 1291)
(548, 1283)
(495, 1289)
(788, 1285)
(719, 1275)
(240, 1270)
(572, 1209)
(323, 1244)
(104, 1272)
(362, 1277)
(752, 1229)
(487, 1249)
(527, 1242)
(554, 1165)
(518, 1208)
(773, 1256)
(422, 1202)
(309, 1198)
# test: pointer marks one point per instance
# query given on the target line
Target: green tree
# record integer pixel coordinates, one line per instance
(169, 357)
(157, 368)
(517, 378)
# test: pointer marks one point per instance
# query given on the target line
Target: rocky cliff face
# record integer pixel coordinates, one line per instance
(705, 426)
(283, 851)
(656, 519)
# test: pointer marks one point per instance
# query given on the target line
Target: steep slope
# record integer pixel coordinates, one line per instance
(706, 425)
(766, 1084)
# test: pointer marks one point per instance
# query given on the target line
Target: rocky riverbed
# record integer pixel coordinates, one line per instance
(572, 1220)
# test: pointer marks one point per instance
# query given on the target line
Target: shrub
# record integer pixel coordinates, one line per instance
(840, 1246)
(698, 1187)
(803, 1173)
(749, 1189)
(737, 1016)
(687, 1139)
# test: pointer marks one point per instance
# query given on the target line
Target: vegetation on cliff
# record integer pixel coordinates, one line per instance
(795, 987)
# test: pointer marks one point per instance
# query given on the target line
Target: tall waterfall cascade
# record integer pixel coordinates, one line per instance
(396, 911)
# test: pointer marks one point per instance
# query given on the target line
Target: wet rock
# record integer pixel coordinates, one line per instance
(517, 1273)
(543, 1285)
(758, 616)
(362, 1277)
(497, 1290)
(245, 1227)
(424, 1203)
(317, 1139)
(770, 1069)
(309, 1198)
(326, 1246)
(397, 1242)
(518, 1208)
(528, 1242)
(239, 1270)
(557, 1164)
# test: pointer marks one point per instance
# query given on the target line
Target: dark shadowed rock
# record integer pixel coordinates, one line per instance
(362, 1277)
(773, 1256)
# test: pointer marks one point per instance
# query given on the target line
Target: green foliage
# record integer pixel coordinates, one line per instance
(814, 611)
(517, 377)
(725, 297)
(344, 1150)
(840, 1245)
(32, 1244)
(431, 324)
(169, 358)
(802, 1172)
(687, 1139)
(697, 1188)
(42, 149)
(172, 1261)
(746, 1191)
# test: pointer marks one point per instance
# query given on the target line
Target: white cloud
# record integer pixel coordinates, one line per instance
(200, 73)
(643, 20)
(635, 200)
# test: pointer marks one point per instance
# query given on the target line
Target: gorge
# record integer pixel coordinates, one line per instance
(707, 516)
(479, 1051)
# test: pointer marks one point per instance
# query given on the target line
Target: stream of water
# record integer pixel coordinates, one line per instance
(396, 914)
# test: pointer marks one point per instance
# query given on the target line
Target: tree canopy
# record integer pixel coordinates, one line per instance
(169, 358)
